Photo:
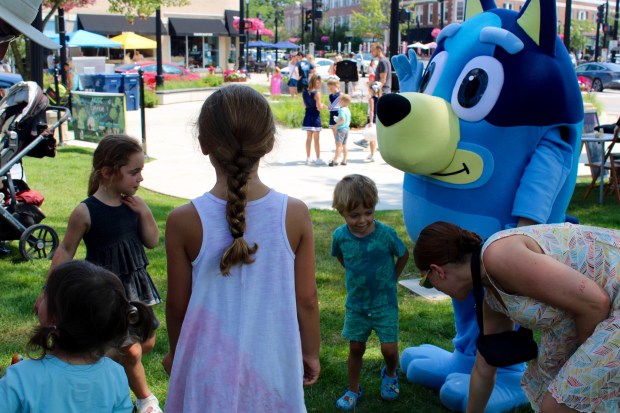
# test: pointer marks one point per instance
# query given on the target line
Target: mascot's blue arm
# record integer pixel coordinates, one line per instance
(409, 71)
(540, 184)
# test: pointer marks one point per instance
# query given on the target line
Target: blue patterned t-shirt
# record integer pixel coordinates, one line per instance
(369, 266)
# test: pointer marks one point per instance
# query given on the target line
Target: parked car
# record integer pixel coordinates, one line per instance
(321, 67)
(602, 75)
(170, 71)
(363, 61)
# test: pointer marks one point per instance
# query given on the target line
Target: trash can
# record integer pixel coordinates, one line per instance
(88, 82)
(131, 89)
(107, 82)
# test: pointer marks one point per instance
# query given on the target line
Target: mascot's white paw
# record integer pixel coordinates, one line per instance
(429, 365)
(507, 393)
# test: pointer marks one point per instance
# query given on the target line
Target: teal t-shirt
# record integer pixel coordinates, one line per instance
(344, 113)
(369, 266)
(53, 385)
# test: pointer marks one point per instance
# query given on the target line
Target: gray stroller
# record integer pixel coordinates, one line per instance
(24, 132)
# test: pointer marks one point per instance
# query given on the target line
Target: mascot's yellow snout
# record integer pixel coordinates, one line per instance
(419, 134)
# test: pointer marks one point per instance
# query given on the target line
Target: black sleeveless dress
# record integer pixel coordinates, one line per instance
(113, 242)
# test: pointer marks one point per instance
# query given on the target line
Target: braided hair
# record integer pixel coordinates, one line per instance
(441, 243)
(237, 126)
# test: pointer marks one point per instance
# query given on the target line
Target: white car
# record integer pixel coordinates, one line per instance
(322, 67)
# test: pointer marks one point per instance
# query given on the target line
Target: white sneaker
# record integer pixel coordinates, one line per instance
(370, 158)
(320, 161)
(309, 161)
(148, 405)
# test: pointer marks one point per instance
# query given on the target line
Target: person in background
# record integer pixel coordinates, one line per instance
(383, 72)
(276, 82)
(73, 79)
(138, 57)
(341, 130)
(293, 75)
(127, 58)
(305, 70)
(333, 85)
(373, 257)
(311, 98)
(269, 65)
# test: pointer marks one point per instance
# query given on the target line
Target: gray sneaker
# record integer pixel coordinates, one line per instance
(320, 161)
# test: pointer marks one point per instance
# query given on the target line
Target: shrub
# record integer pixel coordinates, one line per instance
(150, 99)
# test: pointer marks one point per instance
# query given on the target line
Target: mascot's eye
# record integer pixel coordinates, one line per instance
(472, 88)
(477, 88)
(433, 73)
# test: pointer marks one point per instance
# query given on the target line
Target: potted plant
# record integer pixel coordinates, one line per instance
(231, 63)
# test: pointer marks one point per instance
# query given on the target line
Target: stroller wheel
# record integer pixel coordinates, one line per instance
(38, 241)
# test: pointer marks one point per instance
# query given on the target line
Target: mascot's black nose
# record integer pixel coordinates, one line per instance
(392, 108)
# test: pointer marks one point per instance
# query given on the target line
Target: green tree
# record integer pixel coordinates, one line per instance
(578, 31)
(142, 8)
(372, 21)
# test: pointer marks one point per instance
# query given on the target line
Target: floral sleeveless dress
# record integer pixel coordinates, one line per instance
(584, 377)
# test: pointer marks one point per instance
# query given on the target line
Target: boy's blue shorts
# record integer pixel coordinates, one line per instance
(358, 325)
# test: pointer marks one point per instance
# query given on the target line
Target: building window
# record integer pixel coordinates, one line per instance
(508, 6)
(430, 14)
(582, 15)
(460, 11)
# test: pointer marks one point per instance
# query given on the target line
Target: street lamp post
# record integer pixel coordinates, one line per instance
(247, 17)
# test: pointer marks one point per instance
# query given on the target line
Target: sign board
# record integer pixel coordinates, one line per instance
(203, 34)
(96, 115)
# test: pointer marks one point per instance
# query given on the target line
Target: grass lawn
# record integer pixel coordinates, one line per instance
(63, 182)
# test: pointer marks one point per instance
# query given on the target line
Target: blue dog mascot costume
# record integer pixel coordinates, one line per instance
(490, 141)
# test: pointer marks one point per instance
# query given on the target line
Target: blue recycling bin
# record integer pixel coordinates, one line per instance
(131, 89)
(107, 82)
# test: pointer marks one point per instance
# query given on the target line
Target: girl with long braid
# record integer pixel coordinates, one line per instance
(242, 306)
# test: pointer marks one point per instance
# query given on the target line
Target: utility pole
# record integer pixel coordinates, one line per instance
(394, 28)
(567, 22)
(441, 13)
(159, 78)
(313, 19)
(240, 59)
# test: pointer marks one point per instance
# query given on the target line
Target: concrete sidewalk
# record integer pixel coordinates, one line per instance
(178, 168)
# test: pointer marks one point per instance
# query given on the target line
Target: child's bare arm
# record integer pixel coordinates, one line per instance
(78, 225)
(401, 262)
(317, 99)
(371, 111)
(181, 234)
(301, 237)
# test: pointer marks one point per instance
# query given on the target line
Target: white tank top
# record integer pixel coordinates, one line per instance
(239, 348)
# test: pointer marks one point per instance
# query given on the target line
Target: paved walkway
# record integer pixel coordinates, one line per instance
(178, 168)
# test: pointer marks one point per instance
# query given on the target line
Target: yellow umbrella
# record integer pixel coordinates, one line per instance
(130, 40)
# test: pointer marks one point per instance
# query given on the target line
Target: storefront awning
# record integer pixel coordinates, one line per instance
(230, 17)
(115, 24)
(196, 27)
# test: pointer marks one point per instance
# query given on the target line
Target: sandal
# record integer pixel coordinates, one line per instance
(332, 163)
(389, 386)
(343, 163)
(349, 400)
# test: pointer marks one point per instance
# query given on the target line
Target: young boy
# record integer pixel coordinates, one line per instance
(373, 257)
(341, 130)
(333, 85)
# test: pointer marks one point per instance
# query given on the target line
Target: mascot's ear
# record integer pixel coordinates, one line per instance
(474, 7)
(538, 20)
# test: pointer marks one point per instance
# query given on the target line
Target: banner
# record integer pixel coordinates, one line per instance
(96, 115)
